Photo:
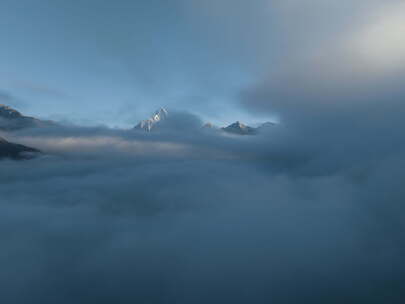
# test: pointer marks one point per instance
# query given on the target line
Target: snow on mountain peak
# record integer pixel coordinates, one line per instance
(240, 129)
(160, 114)
(149, 124)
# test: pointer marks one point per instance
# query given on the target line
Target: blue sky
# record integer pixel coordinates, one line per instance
(115, 62)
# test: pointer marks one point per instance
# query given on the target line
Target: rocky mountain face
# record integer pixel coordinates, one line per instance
(16, 151)
(11, 119)
(152, 122)
(239, 128)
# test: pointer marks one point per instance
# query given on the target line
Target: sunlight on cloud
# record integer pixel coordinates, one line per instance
(103, 144)
(381, 43)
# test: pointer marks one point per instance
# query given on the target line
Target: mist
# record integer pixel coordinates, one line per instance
(119, 215)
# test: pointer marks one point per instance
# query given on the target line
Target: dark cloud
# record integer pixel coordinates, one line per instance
(191, 217)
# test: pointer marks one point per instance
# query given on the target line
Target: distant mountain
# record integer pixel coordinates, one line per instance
(161, 119)
(239, 128)
(149, 124)
(16, 151)
(11, 119)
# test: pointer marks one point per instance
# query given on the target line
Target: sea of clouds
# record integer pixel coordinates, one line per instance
(293, 215)
(309, 211)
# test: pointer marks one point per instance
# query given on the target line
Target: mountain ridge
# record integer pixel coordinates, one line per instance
(12, 120)
(236, 128)
(16, 151)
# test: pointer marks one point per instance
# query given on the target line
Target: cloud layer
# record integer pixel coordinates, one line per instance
(310, 211)
(191, 217)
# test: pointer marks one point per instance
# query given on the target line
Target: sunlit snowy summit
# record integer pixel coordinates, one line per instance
(149, 124)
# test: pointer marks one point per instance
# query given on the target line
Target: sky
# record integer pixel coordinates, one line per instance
(115, 62)
(307, 211)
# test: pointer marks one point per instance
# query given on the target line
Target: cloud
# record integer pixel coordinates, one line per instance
(191, 217)
(379, 42)
(309, 211)
(307, 54)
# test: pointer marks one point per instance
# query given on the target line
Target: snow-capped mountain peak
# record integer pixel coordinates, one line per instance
(156, 120)
(149, 124)
(160, 114)
(239, 128)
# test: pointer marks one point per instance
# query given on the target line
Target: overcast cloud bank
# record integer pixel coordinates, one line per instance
(286, 216)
